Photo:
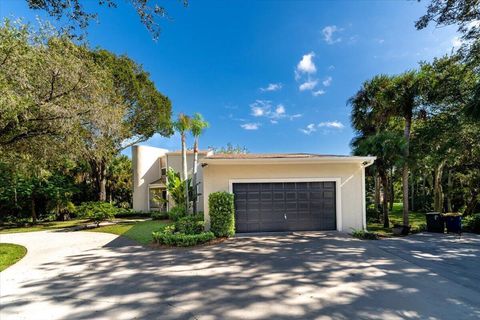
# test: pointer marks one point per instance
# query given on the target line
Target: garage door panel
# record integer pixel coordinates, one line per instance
(283, 206)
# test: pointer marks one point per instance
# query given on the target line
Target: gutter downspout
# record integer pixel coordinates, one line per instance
(364, 204)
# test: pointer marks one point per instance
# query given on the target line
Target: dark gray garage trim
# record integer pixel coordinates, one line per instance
(288, 204)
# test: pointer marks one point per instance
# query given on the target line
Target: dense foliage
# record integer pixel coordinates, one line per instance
(75, 16)
(222, 214)
(67, 111)
(96, 211)
(419, 127)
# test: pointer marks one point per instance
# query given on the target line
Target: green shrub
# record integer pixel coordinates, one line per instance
(96, 211)
(189, 225)
(158, 215)
(364, 235)
(222, 214)
(471, 223)
(176, 213)
(180, 239)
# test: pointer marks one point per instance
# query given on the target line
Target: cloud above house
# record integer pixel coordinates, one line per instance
(265, 108)
(331, 124)
(327, 82)
(250, 126)
(318, 93)
(272, 87)
(329, 34)
(308, 85)
(306, 64)
(312, 127)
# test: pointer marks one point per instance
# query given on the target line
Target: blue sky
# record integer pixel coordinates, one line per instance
(273, 76)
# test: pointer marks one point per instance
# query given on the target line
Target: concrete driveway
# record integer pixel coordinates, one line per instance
(81, 275)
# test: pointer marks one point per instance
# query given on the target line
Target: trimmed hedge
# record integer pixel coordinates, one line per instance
(176, 213)
(180, 239)
(222, 213)
(189, 225)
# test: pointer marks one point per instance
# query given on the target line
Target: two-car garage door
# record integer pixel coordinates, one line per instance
(284, 206)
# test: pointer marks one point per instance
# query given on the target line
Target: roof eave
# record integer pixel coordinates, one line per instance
(361, 160)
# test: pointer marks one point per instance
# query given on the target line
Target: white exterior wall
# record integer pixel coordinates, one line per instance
(350, 203)
(146, 169)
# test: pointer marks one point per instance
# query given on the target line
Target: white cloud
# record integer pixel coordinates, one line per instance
(327, 82)
(308, 85)
(272, 87)
(331, 124)
(309, 129)
(306, 65)
(280, 110)
(329, 34)
(318, 93)
(331, 67)
(250, 126)
(265, 108)
(257, 111)
(295, 116)
(328, 124)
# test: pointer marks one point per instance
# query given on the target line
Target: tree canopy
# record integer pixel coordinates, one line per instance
(75, 15)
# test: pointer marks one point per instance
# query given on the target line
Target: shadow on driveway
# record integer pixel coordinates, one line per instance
(303, 276)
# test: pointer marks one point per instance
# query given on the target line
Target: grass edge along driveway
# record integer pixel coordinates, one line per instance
(10, 254)
(139, 231)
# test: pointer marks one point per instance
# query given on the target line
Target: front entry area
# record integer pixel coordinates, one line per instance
(284, 206)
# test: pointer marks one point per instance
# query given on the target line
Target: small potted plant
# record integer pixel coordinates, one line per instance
(400, 230)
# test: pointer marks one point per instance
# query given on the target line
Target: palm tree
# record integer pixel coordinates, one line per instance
(404, 99)
(198, 126)
(182, 125)
(368, 119)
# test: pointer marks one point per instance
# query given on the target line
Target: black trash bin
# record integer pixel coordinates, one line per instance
(453, 222)
(435, 222)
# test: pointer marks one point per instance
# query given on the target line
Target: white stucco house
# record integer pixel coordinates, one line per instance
(273, 192)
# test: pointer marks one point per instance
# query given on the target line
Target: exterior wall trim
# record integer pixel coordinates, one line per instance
(338, 191)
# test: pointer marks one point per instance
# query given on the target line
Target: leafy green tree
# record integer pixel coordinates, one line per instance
(119, 181)
(73, 11)
(133, 112)
(375, 134)
(198, 126)
(49, 87)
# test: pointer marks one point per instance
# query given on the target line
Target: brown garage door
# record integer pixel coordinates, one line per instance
(284, 206)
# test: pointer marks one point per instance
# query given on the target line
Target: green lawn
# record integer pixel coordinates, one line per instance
(416, 219)
(42, 226)
(138, 231)
(10, 253)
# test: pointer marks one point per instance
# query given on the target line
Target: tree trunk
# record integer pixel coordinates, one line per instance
(412, 194)
(99, 171)
(391, 190)
(185, 170)
(33, 211)
(472, 203)
(194, 176)
(449, 191)
(437, 188)
(377, 194)
(405, 173)
(386, 221)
